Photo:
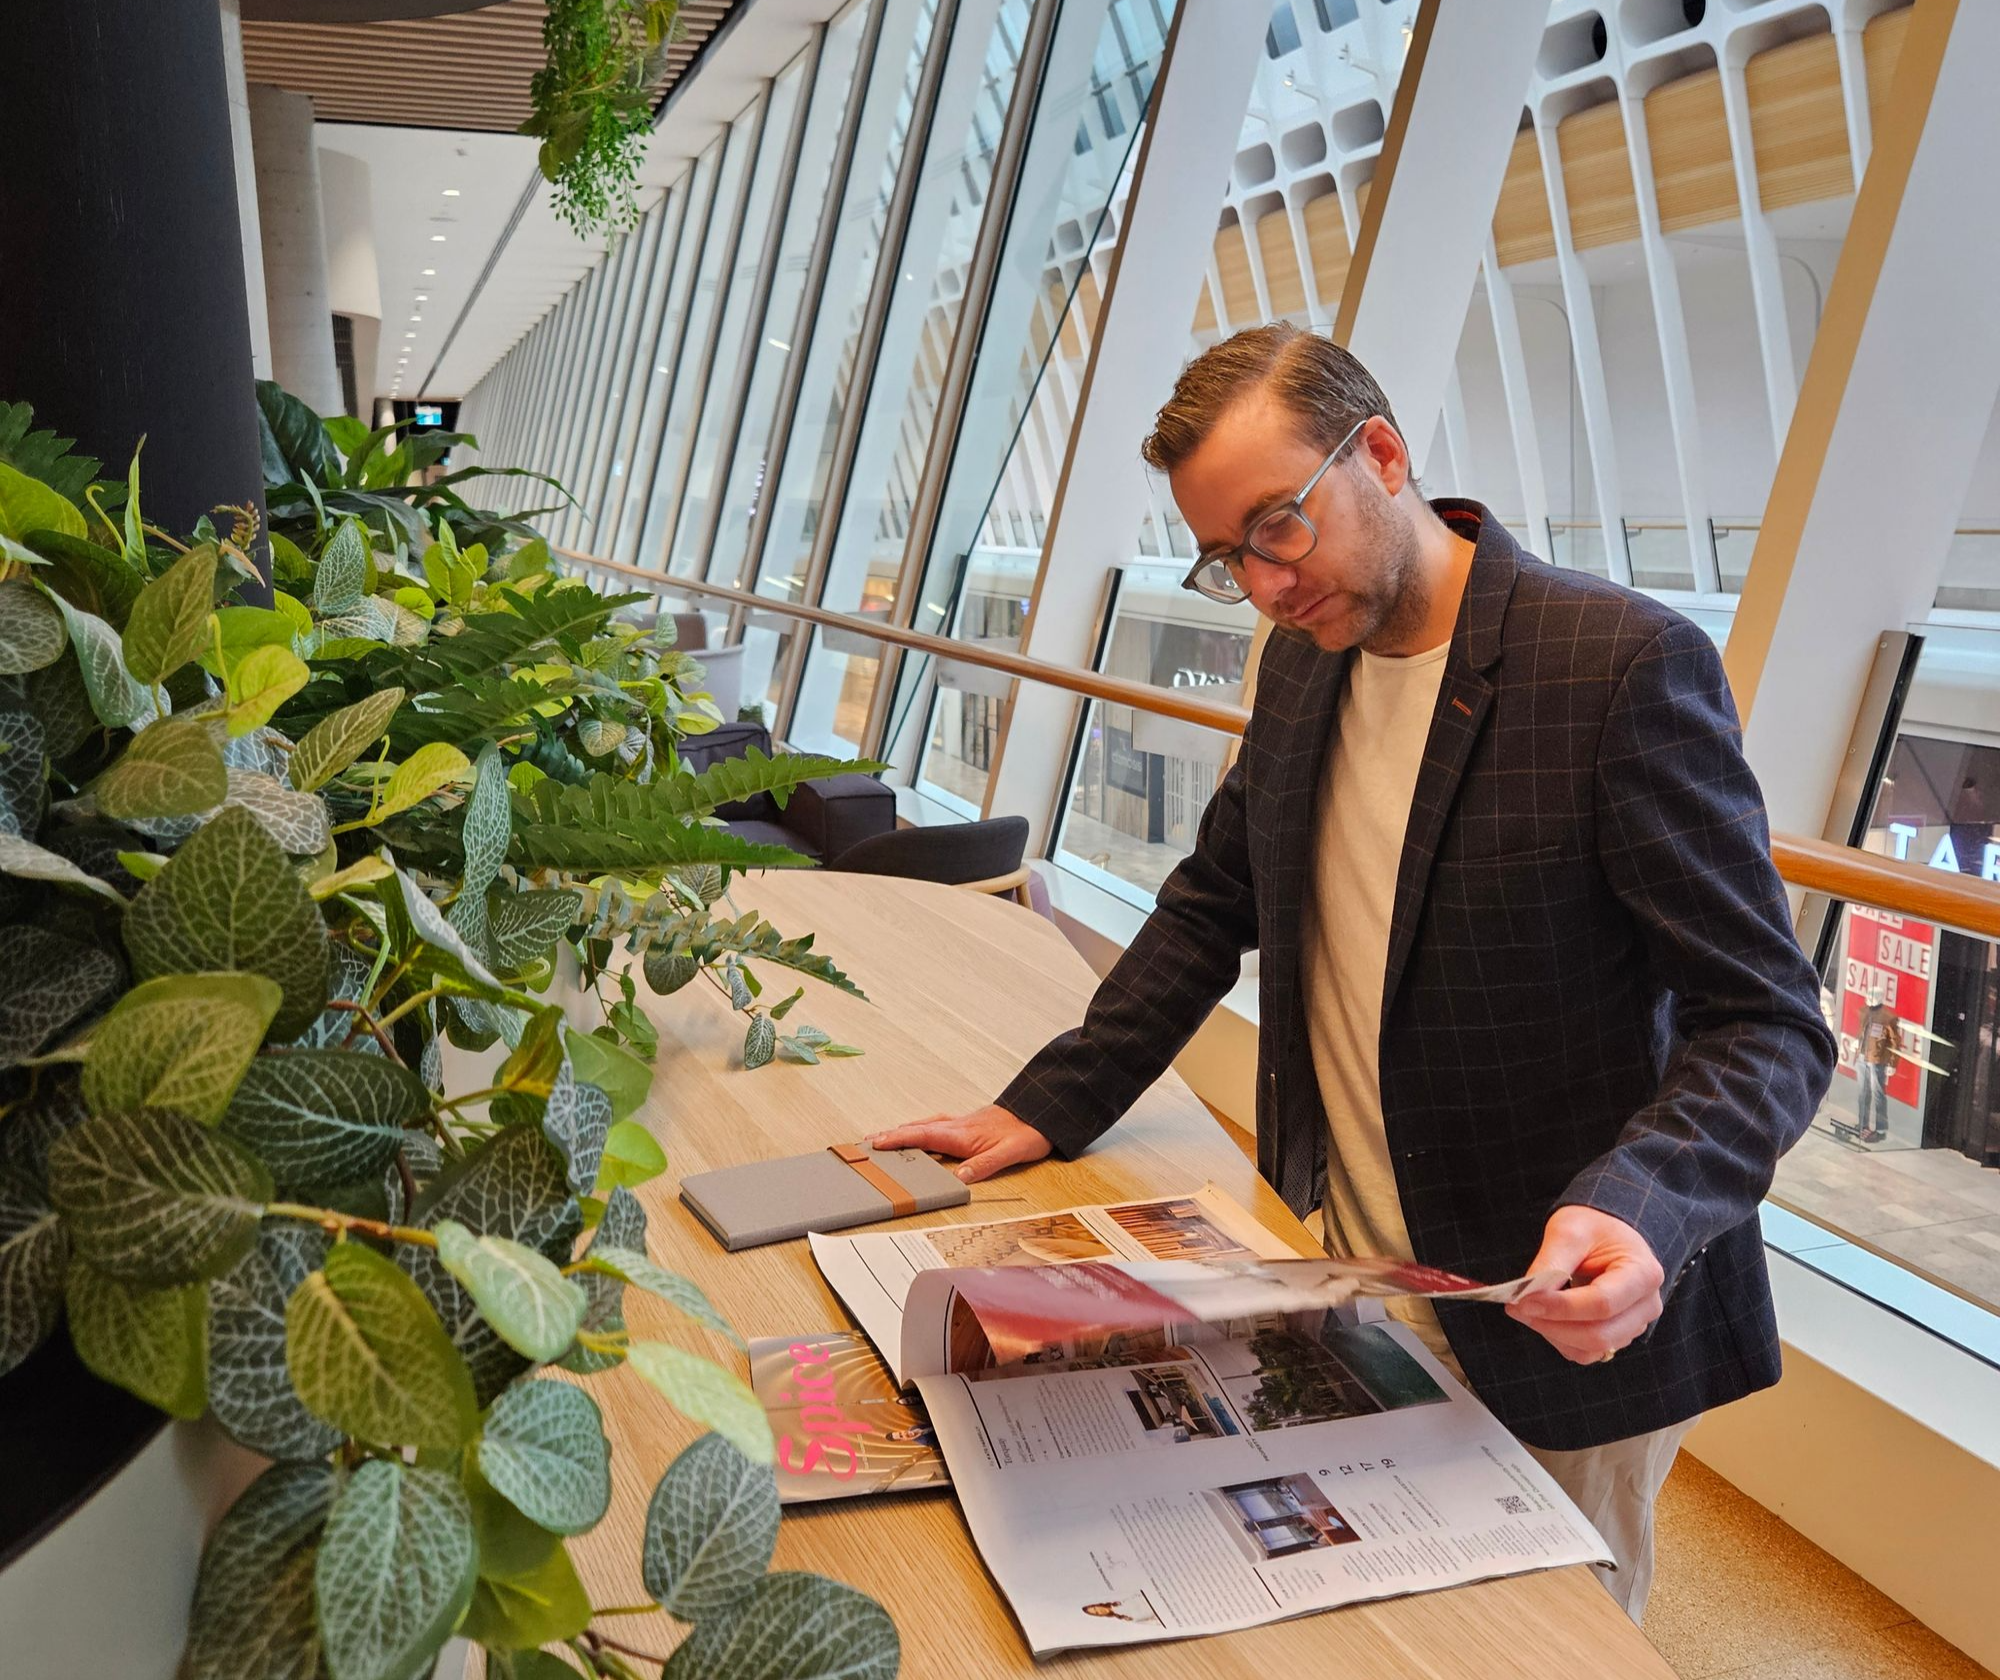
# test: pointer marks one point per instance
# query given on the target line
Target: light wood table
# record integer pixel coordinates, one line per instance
(963, 988)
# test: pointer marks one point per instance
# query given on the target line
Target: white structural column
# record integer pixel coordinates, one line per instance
(252, 239)
(1890, 420)
(1852, 57)
(1587, 356)
(1518, 394)
(353, 279)
(1430, 208)
(1760, 244)
(288, 217)
(1670, 320)
(1150, 297)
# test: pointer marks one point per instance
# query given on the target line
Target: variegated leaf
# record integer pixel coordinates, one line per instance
(543, 1448)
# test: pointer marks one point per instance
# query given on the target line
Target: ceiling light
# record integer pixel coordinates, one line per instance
(423, 297)
(409, 335)
(416, 317)
(451, 192)
(430, 271)
(437, 239)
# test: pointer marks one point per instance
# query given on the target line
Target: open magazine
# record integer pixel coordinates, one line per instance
(1087, 1280)
(1152, 1448)
(841, 1424)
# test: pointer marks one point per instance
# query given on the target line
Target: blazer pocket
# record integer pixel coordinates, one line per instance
(1516, 896)
(1533, 857)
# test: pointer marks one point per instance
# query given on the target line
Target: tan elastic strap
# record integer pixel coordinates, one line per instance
(901, 1202)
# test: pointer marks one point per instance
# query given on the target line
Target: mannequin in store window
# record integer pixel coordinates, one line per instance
(1881, 1044)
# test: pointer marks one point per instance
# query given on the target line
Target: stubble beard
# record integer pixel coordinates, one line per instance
(1396, 602)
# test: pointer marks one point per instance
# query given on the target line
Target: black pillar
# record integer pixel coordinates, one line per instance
(122, 300)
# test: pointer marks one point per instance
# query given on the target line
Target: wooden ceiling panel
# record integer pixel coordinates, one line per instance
(470, 70)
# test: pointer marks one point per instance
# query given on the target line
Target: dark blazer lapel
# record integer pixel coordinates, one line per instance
(1464, 699)
(1299, 689)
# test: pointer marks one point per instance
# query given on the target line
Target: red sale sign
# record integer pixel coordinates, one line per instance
(1898, 954)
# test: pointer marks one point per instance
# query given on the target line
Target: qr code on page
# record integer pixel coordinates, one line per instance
(1513, 1504)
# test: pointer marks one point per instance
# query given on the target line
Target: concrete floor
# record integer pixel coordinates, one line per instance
(1931, 1208)
(1739, 1595)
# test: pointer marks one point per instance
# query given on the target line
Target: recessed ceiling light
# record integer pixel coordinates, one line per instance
(423, 297)
(409, 335)
(451, 192)
(430, 271)
(437, 239)
(416, 317)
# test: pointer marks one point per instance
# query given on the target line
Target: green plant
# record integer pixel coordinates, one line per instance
(594, 103)
(258, 868)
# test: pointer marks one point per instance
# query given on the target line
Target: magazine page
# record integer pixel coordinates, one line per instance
(966, 1319)
(1238, 1475)
(841, 1424)
(872, 1273)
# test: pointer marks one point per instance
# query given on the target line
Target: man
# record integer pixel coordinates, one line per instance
(1530, 997)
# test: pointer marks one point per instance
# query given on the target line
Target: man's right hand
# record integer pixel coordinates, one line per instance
(988, 1140)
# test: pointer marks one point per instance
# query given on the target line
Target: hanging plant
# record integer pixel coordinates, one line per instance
(594, 104)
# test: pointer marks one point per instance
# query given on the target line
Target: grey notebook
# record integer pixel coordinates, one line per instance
(828, 1190)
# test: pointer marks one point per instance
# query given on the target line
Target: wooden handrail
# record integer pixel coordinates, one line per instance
(1121, 691)
(1841, 872)
(1964, 902)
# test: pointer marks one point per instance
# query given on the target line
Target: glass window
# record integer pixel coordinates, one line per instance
(1903, 1159)
(832, 364)
(1141, 782)
(834, 85)
(667, 341)
(607, 345)
(720, 406)
(638, 367)
(669, 472)
(621, 354)
(902, 404)
(1014, 433)
(1283, 35)
(1721, 315)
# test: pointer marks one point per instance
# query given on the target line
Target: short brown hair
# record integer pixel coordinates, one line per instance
(1315, 378)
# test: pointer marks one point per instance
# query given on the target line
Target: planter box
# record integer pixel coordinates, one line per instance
(107, 1590)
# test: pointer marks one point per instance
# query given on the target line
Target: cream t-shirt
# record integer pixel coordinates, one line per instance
(1364, 807)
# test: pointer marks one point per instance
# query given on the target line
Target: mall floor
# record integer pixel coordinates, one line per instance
(1930, 1208)
(1740, 1595)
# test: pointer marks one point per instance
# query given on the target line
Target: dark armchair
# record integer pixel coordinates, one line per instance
(822, 819)
(986, 855)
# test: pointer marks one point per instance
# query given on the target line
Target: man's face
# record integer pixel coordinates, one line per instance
(1357, 576)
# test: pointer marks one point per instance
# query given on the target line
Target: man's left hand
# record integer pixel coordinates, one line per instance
(1614, 1292)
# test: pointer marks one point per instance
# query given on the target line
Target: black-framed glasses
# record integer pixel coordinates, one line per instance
(1283, 535)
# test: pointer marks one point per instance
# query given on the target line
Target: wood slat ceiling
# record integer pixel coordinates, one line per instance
(467, 71)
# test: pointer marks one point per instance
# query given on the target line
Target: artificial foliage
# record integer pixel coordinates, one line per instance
(593, 104)
(259, 867)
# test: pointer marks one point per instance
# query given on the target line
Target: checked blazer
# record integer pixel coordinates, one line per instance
(1593, 994)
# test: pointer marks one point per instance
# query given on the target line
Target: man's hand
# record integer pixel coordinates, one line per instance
(989, 1139)
(1615, 1291)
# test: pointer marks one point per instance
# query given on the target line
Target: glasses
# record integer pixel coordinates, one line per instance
(1282, 535)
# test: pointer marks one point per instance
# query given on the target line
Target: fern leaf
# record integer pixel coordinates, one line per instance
(737, 779)
(605, 825)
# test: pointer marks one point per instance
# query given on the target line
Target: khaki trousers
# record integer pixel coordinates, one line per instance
(1617, 1486)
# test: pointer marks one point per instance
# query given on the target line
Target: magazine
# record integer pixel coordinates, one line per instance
(873, 1273)
(1161, 1422)
(842, 1425)
(1088, 1280)
(1237, 1475)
